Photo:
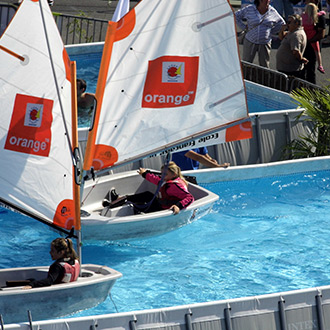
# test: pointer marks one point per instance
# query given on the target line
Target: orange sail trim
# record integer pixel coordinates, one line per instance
(239, 132)
(104, 67)
(125, 25)
(67, 64)
(105, 156)
(65, 215)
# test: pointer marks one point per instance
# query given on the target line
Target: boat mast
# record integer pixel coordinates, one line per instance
(76, 154)
(73, 147)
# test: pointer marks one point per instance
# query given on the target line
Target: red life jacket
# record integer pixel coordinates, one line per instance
(71, 272)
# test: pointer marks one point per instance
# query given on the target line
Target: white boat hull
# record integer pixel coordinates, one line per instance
(53, 301)
(121, 223)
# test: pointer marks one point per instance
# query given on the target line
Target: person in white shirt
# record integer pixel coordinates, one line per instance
(262, 22)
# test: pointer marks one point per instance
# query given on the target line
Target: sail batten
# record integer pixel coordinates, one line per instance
(174, 74)
(10, 52)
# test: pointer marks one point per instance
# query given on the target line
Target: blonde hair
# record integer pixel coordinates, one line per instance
(311, 10)
(66, 245)
(176, 170)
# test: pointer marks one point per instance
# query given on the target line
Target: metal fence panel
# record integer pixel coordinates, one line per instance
(80, 29)
(6, 14)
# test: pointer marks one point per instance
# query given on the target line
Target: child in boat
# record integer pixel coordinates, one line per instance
(309, 20)
(66, 267)
(173, 194)
(85, 102)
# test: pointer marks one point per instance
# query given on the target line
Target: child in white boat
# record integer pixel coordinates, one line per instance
(66, 267)
(173, 194)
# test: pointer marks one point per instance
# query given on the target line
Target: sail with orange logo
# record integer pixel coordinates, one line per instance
(39, 161)
(38, 125)
(170, 73)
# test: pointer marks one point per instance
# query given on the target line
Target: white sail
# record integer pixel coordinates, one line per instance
(121, 10)
(174, 75)
(35, 157)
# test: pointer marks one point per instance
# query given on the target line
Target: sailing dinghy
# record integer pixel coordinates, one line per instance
(38, 160)
(170, 79)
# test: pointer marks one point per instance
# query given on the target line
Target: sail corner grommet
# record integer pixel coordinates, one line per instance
(26, 60)
(197, 26)
(209, 106)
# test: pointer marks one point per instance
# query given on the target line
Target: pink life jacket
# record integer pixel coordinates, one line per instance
(71, 272)
(167, 200)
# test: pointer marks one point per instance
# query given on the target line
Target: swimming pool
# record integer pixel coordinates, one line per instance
(264, 235)
(260, 98)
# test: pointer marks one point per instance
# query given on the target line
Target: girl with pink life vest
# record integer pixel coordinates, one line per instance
(66, 267)
(309, 20)
(173, 193)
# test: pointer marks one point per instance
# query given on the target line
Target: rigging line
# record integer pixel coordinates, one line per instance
(56, 84)
(113, 301)
(94, 185)
(10, 52)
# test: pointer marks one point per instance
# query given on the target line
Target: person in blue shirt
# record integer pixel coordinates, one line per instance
(190, 159)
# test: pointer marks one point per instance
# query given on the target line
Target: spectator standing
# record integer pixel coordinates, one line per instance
(284, 8)
(289, 56)
(326, 41)
(261, 21)
(310, 18)
(309, 70)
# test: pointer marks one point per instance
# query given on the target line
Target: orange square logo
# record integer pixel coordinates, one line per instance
(171, 82)
(30, 126)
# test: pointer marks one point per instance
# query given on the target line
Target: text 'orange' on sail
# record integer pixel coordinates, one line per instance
(37, 174)
(170, 73)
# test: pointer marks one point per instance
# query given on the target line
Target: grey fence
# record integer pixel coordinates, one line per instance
(7, 12)
(272, 78)
(80, 29)
(293, 310)
(83, 29)
(73, 29)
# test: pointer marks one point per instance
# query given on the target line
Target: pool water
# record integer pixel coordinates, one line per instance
(263, 236)
(259, 98)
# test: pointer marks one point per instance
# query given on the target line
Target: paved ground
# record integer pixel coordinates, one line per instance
(104, 9)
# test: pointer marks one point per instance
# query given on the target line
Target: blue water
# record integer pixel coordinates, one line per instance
(263, 236)
(88, 68)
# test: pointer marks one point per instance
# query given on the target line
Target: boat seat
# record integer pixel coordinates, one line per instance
(10, 284)
(123, 210)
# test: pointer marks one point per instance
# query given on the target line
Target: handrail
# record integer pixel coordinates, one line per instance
(83, 29)
(264, 76)
(7, 11)
(73, 29)
(80, 29)
(273, 79)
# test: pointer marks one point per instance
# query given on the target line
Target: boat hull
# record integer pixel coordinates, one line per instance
(53, 301)
(121, 223)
